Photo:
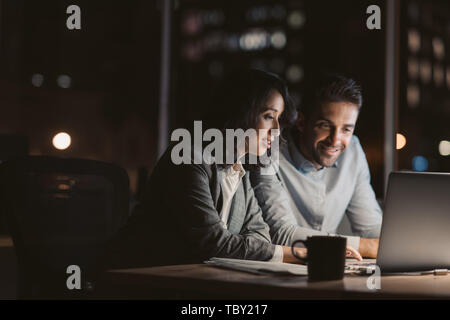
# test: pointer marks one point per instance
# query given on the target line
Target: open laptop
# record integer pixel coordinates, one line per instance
(415, 234)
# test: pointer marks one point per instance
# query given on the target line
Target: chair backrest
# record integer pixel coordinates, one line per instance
(61, 212)
(11, 146)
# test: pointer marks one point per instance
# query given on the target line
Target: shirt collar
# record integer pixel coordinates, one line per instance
(236, 169)
(299, 161)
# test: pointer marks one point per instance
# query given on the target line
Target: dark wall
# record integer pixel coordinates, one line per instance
(338, 40)
(111, 106)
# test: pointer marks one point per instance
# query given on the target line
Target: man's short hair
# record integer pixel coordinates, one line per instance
(330, 88)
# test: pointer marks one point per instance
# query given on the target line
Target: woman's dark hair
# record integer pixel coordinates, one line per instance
(241, 98)
(328, 87)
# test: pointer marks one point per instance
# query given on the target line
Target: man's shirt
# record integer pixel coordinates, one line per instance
(300, 201)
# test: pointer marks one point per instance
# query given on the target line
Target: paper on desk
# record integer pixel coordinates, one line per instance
(259, 267)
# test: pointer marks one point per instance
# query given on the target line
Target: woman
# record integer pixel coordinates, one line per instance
(193, 212)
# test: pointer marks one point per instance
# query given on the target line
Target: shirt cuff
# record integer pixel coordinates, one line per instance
(353, 242)
(277, 255)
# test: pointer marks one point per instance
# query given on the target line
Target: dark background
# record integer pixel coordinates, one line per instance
(110, 108)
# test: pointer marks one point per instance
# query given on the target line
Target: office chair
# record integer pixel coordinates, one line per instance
(61, 213)
(11, 146)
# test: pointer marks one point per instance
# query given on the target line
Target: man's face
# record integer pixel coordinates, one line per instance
(327, 132)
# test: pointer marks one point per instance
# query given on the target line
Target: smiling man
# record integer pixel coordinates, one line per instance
(323, 172)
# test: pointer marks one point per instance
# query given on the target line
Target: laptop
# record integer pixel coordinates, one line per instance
(415, 233)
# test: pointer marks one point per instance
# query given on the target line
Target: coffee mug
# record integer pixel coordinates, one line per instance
(325, 257)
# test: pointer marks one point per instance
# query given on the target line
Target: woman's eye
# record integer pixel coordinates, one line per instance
(268, 116)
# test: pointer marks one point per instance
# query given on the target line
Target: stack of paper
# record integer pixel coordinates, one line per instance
(260, 267)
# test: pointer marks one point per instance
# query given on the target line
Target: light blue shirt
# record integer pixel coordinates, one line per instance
(300, 201)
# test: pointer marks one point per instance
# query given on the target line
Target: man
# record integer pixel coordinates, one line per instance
(323, 172)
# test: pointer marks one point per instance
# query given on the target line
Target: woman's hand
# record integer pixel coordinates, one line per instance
(288, 257)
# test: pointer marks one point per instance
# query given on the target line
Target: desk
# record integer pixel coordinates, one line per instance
(209, 282)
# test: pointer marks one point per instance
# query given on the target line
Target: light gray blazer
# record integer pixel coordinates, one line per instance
(179, 222)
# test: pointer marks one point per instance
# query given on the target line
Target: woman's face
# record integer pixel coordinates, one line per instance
(267, 126)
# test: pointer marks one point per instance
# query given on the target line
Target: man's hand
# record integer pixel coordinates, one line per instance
(368, 247)
(352, 252)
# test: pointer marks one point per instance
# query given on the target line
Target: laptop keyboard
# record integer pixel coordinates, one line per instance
(366, 266)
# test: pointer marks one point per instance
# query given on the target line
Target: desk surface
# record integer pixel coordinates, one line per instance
(206, 281)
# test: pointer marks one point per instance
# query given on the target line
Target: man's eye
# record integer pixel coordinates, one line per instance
(348, 130)
(324, 125)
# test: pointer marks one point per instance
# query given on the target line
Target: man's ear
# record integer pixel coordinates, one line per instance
(300, 122)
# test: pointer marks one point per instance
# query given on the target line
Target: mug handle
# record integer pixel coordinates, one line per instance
(303, 260)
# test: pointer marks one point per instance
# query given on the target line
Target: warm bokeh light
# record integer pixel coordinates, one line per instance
(254, 40)
(413, 40)
(413, 68)
(61, 141)
(413, 95)
(444, 148)
(401, 141)
(278, 39)
(425, 71)
(438, 48)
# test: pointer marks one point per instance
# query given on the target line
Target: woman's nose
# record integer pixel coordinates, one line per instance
(275, 131)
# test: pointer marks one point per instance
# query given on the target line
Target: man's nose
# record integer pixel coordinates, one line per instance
(334, 137)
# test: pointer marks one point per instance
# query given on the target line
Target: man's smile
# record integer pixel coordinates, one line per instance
(330, 150)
